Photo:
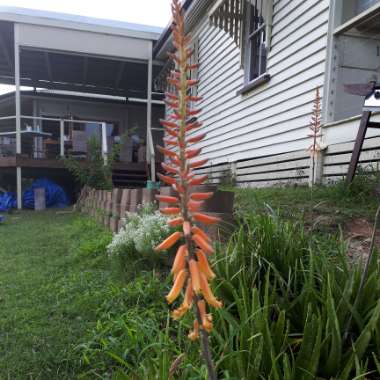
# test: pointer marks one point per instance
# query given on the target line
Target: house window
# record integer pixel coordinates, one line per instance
(255, 45)
(363, 5)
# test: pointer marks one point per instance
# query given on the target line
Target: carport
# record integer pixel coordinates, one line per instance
(66, 52)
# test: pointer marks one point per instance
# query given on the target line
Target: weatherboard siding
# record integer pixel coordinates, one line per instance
(273, 118)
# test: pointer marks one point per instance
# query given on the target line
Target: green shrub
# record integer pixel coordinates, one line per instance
(94, 171)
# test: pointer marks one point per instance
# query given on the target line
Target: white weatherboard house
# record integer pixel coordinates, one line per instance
(260, 64)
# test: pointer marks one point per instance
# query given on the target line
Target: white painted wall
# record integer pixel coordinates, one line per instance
(273, 118)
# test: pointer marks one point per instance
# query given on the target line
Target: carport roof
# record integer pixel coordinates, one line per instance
(70, 21)
(82, 54)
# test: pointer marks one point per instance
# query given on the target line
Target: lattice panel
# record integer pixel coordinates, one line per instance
(229, 17)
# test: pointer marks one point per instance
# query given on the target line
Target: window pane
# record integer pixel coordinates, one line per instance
(362, 5)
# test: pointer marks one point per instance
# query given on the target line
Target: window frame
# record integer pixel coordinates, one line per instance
(252, 29)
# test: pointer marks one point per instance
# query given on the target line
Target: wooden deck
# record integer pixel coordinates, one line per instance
(13, 162)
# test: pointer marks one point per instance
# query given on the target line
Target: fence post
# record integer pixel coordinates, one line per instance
(316, 178)
(62, 137)
(104, 143)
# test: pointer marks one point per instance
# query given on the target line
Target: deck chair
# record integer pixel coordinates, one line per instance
(79, 142)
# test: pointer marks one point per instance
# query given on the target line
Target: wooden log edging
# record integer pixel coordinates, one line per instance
(110, 207)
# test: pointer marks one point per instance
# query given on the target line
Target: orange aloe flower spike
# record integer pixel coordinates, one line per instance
(169, 242)
(177, 287)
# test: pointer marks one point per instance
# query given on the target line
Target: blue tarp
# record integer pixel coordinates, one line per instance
(55, 195)
(7, 201)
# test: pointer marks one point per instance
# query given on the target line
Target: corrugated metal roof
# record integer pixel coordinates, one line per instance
(15, 14)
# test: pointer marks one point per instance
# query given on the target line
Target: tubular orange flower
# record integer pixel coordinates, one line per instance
(177, 287)
(202, 243)
(194, 98)
(194, 66)
(167, 152)
(168, 124)
(199, 163)
(189, 294)
(175, 222)
(194, 335)
(190, 153)
(167, 199)
(193, 125)
(205, 219)
(207, 293)
(167, 179)
(171, 132)
(170, 142)
(192, 82)
(180, 260)
(197, 230)
(195, 276)
(169, 242)
(169, 169)
(198, 181)
(170, 210)
(171, 96)
(204, 265)
(194, 205)
(206, 318)
(201, 196)
(180, 312)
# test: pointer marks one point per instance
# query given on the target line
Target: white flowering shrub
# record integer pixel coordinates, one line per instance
(141, 232)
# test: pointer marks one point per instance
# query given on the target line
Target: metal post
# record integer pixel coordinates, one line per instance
(62, 137)
(104, 143)
(358, 146)
(18, 112)
(150, 143)
(19, 187)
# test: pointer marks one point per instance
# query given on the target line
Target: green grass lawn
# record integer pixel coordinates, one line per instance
(65, 311)
(51, 284)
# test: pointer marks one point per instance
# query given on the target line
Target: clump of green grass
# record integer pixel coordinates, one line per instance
(289, 302)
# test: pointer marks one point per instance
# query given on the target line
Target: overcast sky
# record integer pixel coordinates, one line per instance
(149, 12)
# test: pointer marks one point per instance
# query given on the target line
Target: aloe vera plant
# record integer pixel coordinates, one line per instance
(191, 270)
